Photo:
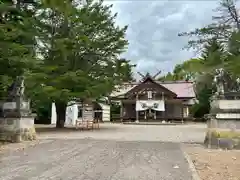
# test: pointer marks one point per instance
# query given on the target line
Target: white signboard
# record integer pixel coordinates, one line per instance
(157, 105)
(88, 114)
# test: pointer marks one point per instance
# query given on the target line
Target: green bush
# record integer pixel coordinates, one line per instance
(203, 106)
(43, 110)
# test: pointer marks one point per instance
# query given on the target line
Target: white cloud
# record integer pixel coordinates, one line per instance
(154, 27)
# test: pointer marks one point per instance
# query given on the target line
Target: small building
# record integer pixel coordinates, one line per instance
(75, 111)
(152, 100)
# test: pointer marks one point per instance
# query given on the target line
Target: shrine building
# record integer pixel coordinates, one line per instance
(152, 100)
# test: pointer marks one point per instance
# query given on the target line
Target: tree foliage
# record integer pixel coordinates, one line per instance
(202, 70)
(188, 71)
(17, 41)
(218, 45)
(67, 50)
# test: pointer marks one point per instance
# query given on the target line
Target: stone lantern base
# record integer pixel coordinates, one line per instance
(16, 126)
(224, 122)
(17, 129)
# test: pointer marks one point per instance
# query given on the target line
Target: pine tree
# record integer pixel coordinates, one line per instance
(213, 54)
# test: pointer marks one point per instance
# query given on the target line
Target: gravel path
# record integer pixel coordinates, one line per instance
(181, 133)
(114, 152)
(96, 160)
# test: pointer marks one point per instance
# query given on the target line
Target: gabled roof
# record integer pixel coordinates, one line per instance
(149, 79)
(183, 89)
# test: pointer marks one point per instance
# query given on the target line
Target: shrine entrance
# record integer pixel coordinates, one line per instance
(149, 110)
(148, 114)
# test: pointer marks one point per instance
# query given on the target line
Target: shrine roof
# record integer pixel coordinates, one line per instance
(183, 89)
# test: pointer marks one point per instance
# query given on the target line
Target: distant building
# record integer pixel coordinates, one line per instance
(152, 100)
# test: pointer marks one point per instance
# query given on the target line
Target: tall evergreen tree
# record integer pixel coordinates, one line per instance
(17, 40)
(213, 54)
(80, 48)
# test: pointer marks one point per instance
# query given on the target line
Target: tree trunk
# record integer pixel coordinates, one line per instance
(61, 114)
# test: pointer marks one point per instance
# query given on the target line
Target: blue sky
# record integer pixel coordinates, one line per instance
(154, 26)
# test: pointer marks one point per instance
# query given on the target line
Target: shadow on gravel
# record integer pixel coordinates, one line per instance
(53, 129)
(197, 144)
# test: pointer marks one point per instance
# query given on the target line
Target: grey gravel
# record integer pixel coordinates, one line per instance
(114, 152)
(96, 160)
(190, 133)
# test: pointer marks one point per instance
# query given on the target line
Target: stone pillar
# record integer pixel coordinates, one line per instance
(17, 123)
(224, 124)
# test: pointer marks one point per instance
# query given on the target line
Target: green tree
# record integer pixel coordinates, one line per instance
(233, 64)
(212, 57)
(218, 43)
(201, 70)
(126, 69)
(188, 70)
(201, 108)
(168, 77)
(17, 40)
(213, 54)
(80, 48)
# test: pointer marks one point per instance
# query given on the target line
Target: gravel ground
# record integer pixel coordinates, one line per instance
(114, 152)
(212, 164)
(96, 160)
(181, 133)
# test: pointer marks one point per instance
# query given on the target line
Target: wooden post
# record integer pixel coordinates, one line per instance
(182, 112)
(155, 112)
(163, 113)
(121, 112)
(137, 118)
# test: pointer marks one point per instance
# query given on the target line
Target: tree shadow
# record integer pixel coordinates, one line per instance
(52, 129)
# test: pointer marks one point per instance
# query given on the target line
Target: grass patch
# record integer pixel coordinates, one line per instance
(224, 134)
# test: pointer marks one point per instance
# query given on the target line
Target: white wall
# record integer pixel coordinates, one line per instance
(53, 114)
(72, 114)
(105, 112)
